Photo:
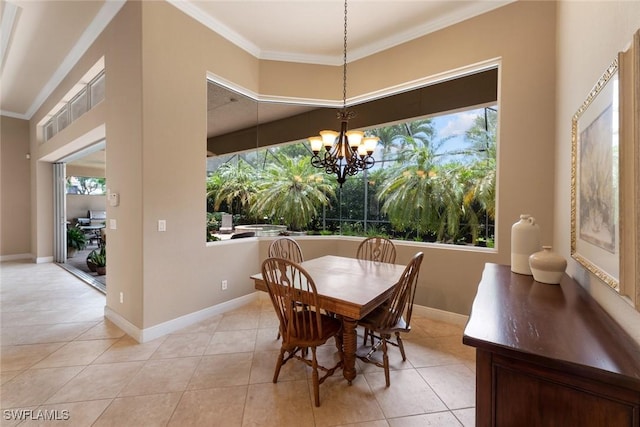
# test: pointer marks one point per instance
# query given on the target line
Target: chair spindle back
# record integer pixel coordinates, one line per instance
(401, 301)
(377, 249)
(287, 248)
(294, 297)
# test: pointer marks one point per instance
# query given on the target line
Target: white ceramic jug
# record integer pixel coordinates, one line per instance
(525, 241)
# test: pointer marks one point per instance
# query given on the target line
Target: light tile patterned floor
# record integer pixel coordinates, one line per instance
(60, 358)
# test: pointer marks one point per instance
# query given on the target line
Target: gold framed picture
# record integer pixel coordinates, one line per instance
(595, 180)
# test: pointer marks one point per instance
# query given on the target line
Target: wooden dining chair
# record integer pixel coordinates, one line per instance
(302, 326)
(287, 248)
(394, 317)
(378, 249)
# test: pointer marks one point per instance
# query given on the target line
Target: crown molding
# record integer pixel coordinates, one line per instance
(215, 25)
(14, 115)
(366, 97)
(473, 9)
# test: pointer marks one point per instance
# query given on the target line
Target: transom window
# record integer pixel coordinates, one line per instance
(88, 97)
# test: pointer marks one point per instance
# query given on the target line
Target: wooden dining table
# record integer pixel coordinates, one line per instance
(350, 288)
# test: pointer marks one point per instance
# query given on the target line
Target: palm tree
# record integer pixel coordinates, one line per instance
(411, 191)
(292, 191)
(237, 186)
(423, 193)
(480, 195)
(214, 182)
(482, 138)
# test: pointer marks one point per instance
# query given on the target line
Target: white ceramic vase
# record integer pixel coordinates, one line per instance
(547, 266)
(525, 240)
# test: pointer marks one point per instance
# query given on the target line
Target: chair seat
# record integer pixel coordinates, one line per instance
(309, 337)
(373, 321)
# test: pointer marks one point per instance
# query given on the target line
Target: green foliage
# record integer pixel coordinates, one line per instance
(76, 238)
(486, 242)
(377, 231)
(214, 183)
(431, 194)
(99, 257)
(291, 192)
(352, 229)
(235, 185)
(411, 189)
(86, 185)
(213, 221)
(423, 193)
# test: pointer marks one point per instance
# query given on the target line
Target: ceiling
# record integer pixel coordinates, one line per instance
(43, 39)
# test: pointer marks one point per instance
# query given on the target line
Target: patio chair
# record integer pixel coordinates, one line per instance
(243, 235)
(294, 297)
(287, 248)
(226, 225)
(377, 249)
(393, 318)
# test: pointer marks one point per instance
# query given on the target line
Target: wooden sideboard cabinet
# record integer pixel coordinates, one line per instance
(549, 355)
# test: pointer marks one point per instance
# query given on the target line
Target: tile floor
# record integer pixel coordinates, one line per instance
(61, 359)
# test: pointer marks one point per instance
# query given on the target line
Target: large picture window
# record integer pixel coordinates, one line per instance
(434, 178)
(434, 181)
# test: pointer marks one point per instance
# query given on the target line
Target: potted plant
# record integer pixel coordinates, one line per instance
(90, 264)
(76, 241)
(99, 259)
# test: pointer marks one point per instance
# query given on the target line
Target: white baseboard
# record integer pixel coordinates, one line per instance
(122, 323)
(43, 260)
(153, 332)
(15, 257)
(156, 331)
(441, 315)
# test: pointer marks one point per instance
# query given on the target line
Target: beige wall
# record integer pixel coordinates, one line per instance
(155, 114)
(175, 116)
(590, 34)
(15, 203)
(79, 204)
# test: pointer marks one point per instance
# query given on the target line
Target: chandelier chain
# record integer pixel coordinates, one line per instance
(333, 151)
(344, 59)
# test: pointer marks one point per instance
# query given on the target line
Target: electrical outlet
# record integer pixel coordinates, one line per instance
(224, 285)
(121, 297)
(162, 225)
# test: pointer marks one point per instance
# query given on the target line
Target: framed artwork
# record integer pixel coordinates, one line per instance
(629, 78)
(595, 180)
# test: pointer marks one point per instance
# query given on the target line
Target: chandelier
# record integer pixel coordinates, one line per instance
(346, 152)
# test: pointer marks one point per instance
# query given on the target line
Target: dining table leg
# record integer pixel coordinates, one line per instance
(349, 343)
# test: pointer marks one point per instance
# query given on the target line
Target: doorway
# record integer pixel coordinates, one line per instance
(80, 203)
